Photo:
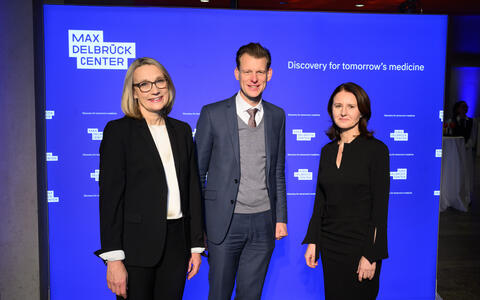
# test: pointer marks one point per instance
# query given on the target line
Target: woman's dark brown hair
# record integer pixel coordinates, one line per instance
(363, 103)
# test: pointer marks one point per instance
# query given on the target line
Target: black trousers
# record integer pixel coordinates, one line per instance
(166, 280)
(341, 280)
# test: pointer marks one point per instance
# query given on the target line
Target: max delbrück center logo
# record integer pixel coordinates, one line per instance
(93, 53)
(303, 174)
(303, 136)
(96, 134)
(399, 135)
(400, 174)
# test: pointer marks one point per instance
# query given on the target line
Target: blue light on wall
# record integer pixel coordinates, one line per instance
(468, 88)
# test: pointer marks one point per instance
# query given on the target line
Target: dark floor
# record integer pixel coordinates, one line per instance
(458, 271)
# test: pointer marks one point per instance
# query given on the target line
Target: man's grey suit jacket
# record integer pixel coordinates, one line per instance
(218, 153)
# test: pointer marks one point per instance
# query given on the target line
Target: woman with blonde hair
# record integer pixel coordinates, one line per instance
(150, 204)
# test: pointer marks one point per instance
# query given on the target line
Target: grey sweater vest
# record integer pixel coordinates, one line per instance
(252, 193)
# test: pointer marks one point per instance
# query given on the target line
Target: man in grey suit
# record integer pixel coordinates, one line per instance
(241, 156)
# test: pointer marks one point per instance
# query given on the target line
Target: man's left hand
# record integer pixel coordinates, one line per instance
(281, 230)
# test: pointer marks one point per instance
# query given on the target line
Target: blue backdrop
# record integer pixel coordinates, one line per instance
(398, 59)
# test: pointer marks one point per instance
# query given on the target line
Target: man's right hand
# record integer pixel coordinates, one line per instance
(117, 278)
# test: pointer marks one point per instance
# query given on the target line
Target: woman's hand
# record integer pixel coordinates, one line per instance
(117, 278)
(194, 265)
(365, 270)
(310, 256)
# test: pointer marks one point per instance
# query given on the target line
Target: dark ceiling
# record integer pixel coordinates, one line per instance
(379, 6)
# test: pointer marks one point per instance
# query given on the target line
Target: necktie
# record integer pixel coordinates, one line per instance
(251, 121)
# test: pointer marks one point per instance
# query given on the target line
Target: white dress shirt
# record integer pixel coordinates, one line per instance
(243, 106)
(162, 141)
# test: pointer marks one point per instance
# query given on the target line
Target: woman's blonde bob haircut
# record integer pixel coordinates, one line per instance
(129, 103)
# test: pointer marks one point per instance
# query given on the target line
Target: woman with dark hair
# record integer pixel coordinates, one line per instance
(151, 226)
(349, 221)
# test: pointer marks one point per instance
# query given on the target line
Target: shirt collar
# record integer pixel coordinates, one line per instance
(243, 106)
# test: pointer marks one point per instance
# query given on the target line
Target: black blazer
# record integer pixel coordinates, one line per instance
(133, 190)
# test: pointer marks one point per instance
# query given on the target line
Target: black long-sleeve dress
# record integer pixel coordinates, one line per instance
(349, 219)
